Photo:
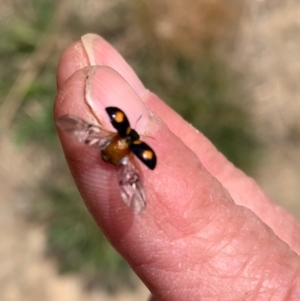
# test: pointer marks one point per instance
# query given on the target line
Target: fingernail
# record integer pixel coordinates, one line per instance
(89, 41)
(100, 52)
(106, 88)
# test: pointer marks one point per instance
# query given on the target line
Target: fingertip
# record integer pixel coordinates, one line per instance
(97, 49)
(100, 52)
(73, 59)
(93, 50)
(107, 88)
(69, 98)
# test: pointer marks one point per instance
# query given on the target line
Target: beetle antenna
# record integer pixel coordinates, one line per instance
(143, 135)
(137, 121)
(150, 137)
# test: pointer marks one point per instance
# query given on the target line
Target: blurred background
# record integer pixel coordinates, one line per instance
(231, 68)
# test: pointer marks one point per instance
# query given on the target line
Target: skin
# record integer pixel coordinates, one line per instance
(208, 232)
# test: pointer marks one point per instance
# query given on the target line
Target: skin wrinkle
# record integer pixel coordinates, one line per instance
(263, 282)
(168, 270)
(220, 268)
(181, 228)
(158, 266)
(290, 292)
(189, 289)
(210, 230)
(257, 278)
(258, 268)
(210, 218)
(222, 253)
(251, 251)
(147, 264)
(276, 266)
(266, 292)
(178, 288)
(257, 285)
(163, 278)
(154, 258)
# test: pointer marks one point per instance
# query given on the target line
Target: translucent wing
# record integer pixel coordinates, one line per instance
(132, 190)
(83, 131)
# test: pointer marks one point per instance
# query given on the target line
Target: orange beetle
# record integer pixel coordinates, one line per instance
(116, 148)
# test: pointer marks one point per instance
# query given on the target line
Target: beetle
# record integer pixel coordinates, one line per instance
(116, 148)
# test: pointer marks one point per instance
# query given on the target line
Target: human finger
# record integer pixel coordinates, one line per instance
(94, 50)
(192, 242)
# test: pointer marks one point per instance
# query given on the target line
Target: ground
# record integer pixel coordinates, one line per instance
(267, 49)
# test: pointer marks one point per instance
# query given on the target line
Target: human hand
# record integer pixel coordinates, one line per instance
(197, 238)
